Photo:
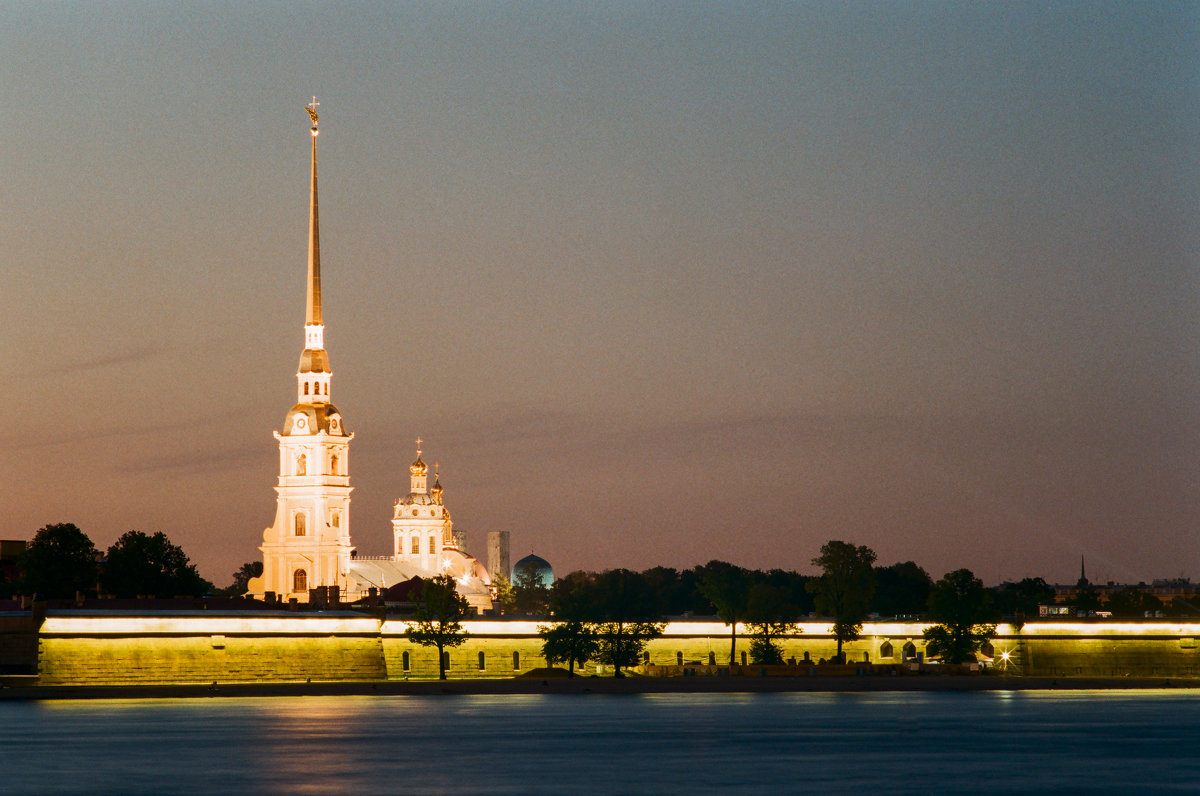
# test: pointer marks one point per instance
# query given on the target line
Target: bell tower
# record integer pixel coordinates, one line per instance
(309, 543)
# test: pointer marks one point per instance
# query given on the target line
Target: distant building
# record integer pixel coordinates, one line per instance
(536, 565)
(497, 560)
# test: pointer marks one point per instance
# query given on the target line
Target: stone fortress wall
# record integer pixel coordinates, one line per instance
(120, 648)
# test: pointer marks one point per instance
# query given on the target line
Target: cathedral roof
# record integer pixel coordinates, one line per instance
(314, 360)
(318, 418)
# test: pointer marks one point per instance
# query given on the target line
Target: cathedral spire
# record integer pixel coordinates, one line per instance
(314, 374)
(312, 315)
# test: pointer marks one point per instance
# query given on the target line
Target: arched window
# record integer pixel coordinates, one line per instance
(299, 581)
(405, 662)
(300, 526)
(306, 388)
(432, 548)
(885, 649)
(516, 660)
(908, 651)
(333, 463)
(481, 661)
(327, 389)
(416, 545)
(301, 464)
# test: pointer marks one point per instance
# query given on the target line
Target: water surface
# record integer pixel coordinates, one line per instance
(976, 742)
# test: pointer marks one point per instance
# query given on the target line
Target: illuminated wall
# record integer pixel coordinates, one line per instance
(200, 647)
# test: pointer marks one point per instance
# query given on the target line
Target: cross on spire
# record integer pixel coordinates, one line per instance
(418, 447)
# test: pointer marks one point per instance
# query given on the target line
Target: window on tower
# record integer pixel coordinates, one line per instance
(299, 581)
(306, 388)
(337, 519)
(432, 546)
(300, 524)
(333, 464)
(416, 546)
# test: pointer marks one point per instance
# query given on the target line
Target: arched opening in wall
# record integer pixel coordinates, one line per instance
(432, 549)
(885, 649)
(301, 524)
(712, 659)
(299, 581)
(405, 661)
(333, 464)
(516, 660)
(301, 464)
(481, 660)
(909, 651)
(679, 659)
(415, 547)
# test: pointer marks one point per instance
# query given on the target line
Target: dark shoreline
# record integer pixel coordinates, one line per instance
(594, 685)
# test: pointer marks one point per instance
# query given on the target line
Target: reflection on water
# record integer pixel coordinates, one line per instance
(988, 742)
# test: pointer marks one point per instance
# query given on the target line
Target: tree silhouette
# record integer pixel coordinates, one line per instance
(770, 613)
(140, 564)
(845, 588)
(59, 562)
(438, 612)
(727, 587)
(569, 642)
(962, 607)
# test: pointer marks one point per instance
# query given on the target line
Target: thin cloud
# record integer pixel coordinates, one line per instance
(123, 358)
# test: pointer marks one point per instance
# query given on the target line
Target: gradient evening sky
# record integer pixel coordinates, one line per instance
(657, 283)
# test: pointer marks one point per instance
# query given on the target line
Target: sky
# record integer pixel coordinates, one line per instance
(656, 283)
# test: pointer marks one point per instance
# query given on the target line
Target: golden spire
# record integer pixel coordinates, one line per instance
(313, 304)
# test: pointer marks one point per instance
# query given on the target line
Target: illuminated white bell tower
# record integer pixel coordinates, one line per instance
(309, 544)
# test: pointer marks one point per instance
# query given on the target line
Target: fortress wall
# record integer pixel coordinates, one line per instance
(82, 648)
(127, 650)
(1141, 649)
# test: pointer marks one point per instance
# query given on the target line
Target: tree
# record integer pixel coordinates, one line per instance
(961, 606)
(1086, 600)
(241, 578)
(569, 642)
(770, 613)
(505, 600)
(628, 617)
(59, 562)
(1023, 597)
(1133, 603)
(901, 590)
(138, 564)
(727, 587)
(438, 612)
(845, 588)
(530, 595)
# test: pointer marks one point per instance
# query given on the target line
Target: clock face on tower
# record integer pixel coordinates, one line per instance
(301, 423)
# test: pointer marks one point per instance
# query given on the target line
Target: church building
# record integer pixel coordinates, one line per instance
(308, 546)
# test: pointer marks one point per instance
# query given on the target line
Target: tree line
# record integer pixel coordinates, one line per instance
(609, 617)
(61, 562)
